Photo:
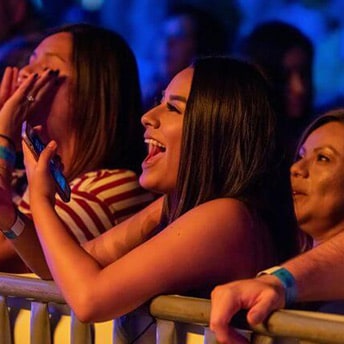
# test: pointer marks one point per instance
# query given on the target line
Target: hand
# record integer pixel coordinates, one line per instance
(41, 184)
(15, 107)
(8, 84)
(260, 296)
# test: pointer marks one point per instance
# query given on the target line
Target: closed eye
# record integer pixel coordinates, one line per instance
(171, 107)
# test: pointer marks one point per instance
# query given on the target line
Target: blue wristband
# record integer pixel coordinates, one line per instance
(8, 155)
(287, 280)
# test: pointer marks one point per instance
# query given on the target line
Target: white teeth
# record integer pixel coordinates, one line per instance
(154, 143)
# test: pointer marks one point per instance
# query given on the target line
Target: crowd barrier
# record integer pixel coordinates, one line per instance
(179, 319)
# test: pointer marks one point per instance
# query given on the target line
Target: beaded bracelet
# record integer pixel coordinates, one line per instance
(9, 140)
(8, 155)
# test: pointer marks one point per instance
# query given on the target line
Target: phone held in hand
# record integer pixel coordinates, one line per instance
(36, 145)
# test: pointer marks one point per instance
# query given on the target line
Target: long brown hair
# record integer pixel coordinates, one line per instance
(106, 101)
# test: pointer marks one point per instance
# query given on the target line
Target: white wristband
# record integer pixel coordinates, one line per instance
(16, 229)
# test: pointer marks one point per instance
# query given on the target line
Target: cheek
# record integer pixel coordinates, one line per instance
(331, 194)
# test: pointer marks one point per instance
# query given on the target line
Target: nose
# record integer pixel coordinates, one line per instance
(151, 118)
(299, 169)
(24, 73)
(27, 70)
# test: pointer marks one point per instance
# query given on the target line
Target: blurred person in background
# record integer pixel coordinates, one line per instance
(285, 55)
(21, 28)
(187, 32)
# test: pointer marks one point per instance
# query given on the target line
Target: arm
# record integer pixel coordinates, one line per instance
(265, 294)
(13, 112)
(196, 251)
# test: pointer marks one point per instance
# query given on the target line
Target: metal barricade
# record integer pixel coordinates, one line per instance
(176, 315)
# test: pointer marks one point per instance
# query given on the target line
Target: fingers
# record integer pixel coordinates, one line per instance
(267, 302)
(36, 86)
(48, 153)
(8, 83)
(44, 158)
(223, 308)
(41, 184)
(45, 84)
(260, 296)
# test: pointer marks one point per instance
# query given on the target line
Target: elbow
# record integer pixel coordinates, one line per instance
(85, 308)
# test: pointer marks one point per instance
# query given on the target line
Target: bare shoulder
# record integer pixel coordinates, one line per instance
(226, 217)
(224, 211)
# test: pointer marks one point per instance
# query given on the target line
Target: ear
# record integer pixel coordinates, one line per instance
(18, 9)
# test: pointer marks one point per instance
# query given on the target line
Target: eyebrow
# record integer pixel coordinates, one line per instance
(330, 147)
(50, 54)
(175, 97)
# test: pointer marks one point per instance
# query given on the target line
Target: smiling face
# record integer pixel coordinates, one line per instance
(317, 180)
(163, 134)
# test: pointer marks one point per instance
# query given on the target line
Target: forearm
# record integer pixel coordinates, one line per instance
(69, 264)
(30, 251)
(319, 273)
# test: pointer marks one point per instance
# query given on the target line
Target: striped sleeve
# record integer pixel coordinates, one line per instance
(99, 200)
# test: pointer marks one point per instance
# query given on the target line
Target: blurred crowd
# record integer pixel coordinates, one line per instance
(158, 38)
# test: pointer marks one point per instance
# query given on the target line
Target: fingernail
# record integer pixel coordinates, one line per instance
(52, 144)
(54, 72)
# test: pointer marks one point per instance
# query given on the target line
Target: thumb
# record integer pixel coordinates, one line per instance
(48, 153)
(262, 309)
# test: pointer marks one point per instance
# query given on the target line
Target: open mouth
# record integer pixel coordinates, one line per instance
(298, 193)
(154, 148)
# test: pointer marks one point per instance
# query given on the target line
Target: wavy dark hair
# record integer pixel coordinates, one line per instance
(229, 148)
(106, 101)
(336, 115)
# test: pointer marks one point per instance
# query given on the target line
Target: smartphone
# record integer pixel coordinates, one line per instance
(36, 145)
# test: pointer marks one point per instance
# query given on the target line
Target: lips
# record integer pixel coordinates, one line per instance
(155, 148)
(298, 193)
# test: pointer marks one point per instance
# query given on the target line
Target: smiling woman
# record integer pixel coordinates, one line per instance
(317, 178)
(212, 156)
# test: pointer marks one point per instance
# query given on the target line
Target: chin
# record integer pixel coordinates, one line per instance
(146, 183)
(149, 184)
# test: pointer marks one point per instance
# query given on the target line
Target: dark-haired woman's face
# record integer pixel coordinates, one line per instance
(53, 112)
(163, 135)
(297, 74)
(317, 180)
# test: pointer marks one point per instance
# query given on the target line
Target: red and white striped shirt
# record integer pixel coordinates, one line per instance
(99, 200)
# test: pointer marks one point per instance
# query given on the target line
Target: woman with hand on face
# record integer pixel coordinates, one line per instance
(81, 86)
(317, 180)
(211, 154)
